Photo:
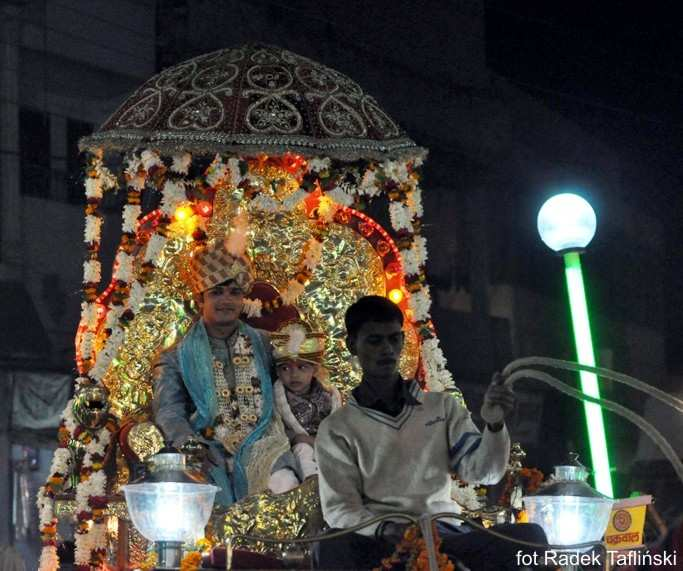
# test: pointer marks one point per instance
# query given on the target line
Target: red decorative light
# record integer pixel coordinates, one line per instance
(203, 208)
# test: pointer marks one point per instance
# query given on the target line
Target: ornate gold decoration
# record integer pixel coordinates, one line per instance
(349, 268)
(290, 515)
(410, 355)
(122, 471)
(65, 507)
(138, 546)
(145, 439)
(91, 407)
(161, 318)
(275, 181)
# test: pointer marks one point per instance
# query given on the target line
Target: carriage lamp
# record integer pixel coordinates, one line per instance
(170, 506)
(568, 509)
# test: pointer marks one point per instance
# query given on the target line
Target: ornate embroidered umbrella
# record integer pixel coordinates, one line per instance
(255, 99)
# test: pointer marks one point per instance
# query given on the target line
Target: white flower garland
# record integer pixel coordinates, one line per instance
(217, 172)
(414, 258)
(113, 316)
(123, 268)
(49, 561)
(341, 195)
(319, 164)
(396, 170)
(415, 202)
(149, 159)
(107, 354)
(95, 485)
(420, 302)
(435, 365)
(95, 187)
(181, 163)
(401, 217)
(92, 230)
(369, 184)
(136, 297)
(173, 195)
(466, 496)
(130, 215)
(92, 271)
(411, 261)
(235, 175)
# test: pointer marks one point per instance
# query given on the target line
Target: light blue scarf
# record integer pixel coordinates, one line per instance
(196, 365)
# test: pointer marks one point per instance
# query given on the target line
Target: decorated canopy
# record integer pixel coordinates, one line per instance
(255, 99)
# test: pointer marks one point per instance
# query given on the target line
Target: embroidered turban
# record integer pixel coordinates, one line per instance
(212, 264)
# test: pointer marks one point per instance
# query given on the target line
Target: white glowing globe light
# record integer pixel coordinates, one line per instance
(566, 222)
(569, 520)
(170, 511)
(569, 510)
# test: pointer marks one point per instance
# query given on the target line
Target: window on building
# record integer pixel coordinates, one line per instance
(75, 171)
(34, 149)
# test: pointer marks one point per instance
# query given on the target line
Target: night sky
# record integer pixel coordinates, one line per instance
(616, 69)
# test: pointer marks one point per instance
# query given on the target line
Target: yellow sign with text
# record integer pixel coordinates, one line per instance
(626, 523)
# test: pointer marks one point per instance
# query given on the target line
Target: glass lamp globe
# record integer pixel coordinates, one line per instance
(566, 222)
(569, 510)
(170, 506)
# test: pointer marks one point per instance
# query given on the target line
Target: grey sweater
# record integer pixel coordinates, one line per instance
(371, 463)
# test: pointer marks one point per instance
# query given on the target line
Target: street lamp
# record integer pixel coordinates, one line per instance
(170, 506)
(566, 224)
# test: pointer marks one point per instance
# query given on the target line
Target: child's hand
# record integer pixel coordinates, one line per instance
(304, 439)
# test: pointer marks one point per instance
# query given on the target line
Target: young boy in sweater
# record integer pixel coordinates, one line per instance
(393, 448)
(302, 399)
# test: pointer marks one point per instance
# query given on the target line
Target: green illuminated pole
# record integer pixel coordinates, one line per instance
(589, 381)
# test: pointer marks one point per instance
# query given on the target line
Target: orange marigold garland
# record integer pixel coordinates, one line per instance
(191, 562)
(528, 480)
(411, 553)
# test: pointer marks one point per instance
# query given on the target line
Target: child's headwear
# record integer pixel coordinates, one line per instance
(297, 340)
(212, 264)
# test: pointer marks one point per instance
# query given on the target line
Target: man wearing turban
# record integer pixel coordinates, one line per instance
(213, 388)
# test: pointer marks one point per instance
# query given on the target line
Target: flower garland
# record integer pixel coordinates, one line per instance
(98, 180)
(467, 496)
(128, 293)
(61, 463)
(126, 296)
(411, 553)
(401, 184)
(90, 541)
(191, 562)
(528, 480)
